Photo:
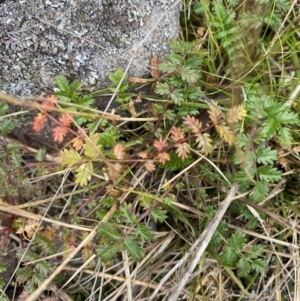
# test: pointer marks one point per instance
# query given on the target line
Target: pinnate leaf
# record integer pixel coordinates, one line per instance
(160, 144)
(133, 248)
(70, 157)
(260, 191)
(226, 133)
(38, 122)
(204, 143)
(192, 123)
(214, 114)
(269, 174)
(177, 133)
(259, 265)
(84, 173)
(144, 232)
(158, 215)
(182, 150)
(266, 155)
(236, 113)
(150, 166)
(163, 157)
(91, 146)
(59, 133)
(109, 231)
(65, 119)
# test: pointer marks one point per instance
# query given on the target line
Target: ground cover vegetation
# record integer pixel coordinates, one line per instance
(117, 214)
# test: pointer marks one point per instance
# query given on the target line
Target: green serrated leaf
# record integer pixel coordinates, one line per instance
(2, 267)
(285, 136)
(108, 252)
(116, 76)
(258, 265)
(144, 232)
(158, 215)
(255, 251)
(229, 257)
(133, 248)
(43, 268)
(162, 89)
(62, 83)
(27, 256)
(23, 274)
(259, 192)
(109, 231)
(269, 174)
(127, 211)
(189, 75)
(3, 108)
(244, 266)
(237, 240)
(6, 126)
(266, 155)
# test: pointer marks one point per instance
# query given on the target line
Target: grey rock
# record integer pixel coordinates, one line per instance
(82, 39)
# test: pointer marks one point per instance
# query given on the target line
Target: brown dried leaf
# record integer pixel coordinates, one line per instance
(28, 227)
(143, 155)
(139, 98)
(149, 165)
(296, 149)
(131, 108)
(137, 80)
(114, 171)
(154, 67)
(200, 31)
(112, 191)
(120, 151)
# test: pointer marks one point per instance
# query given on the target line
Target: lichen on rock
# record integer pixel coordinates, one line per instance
(82, 39)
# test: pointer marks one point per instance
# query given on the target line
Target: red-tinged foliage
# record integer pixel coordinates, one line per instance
(38, 122)
(65, 119)
(177, 133)
(163, 157)
(183, 150)
(59, 133)
(78, 143)
(50, 101)
(192, 123)
(160, 144)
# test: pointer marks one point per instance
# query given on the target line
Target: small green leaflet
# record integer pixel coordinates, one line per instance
(109, 231)
(266, 155)
(133, 248)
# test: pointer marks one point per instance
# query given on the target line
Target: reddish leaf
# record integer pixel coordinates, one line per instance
(38, 122)
(65, 120)
(193, 124)
(163, 157)
(177, 133)
(59, 132)
(78, 143)
(160, 144)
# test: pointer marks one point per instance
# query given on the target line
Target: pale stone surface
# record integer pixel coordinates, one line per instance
(82, 39)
